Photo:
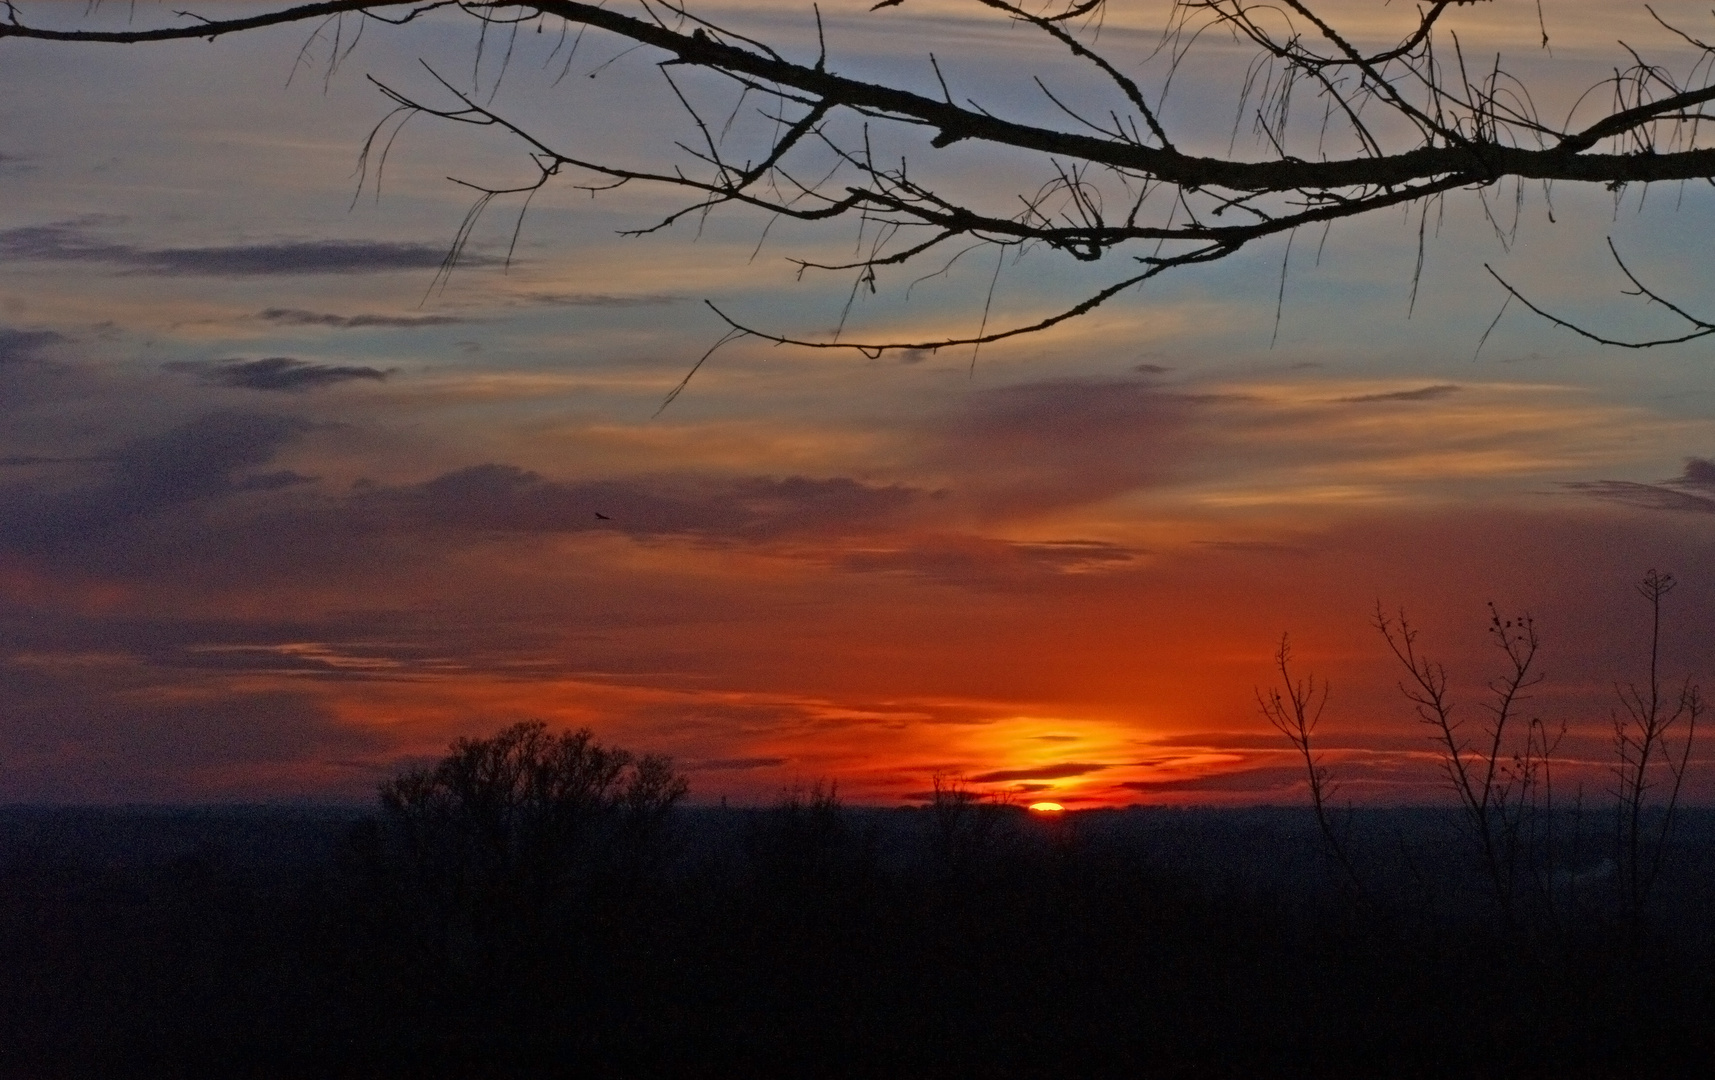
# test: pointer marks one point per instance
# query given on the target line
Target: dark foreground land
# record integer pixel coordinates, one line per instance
(812, 940)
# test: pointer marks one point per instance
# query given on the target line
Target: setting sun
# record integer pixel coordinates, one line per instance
(1046, 808)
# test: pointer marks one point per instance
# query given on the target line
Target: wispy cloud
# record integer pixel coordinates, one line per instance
(1042, 772)
(1647, 496)
(1422, 393)
(1667, 495)
(740, 764)
(300, 317)
(1256, 547)
(274, 373)
(977, 560)
(1268, 780)
(599, 300)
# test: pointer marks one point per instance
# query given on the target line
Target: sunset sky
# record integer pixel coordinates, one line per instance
(279, 511)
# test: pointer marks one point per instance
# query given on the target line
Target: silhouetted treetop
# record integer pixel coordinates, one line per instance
(512, 820)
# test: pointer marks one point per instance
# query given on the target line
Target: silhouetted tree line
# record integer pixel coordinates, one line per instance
(538, 904)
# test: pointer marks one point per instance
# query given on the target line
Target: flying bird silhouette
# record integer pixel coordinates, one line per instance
(601, 516)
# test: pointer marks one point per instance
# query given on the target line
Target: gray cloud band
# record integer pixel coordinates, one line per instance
(274, 373)
(72, 241)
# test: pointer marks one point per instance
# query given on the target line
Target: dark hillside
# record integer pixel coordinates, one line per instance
(818, 940)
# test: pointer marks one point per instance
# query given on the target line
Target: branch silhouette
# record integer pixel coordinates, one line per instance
(1413, 123)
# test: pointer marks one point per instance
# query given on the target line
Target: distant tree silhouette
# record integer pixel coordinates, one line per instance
(506, 824)
(807, 844)
(965, 827)
(480, 867)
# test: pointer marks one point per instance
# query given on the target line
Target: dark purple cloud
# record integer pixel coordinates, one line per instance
(199, 459)
(20, 460)
(1064, 417)
(505, 498)
(1046, 444)
(206, 500)
(274, 373)
(73, 241)
(1699, 472)
(273, 481)
(205, 458)
(19, 346)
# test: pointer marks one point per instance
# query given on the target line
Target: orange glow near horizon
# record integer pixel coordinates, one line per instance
(1132, 689)
(1138, 691)
(1046, 808)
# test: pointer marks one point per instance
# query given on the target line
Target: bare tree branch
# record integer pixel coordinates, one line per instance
(1414, 127)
